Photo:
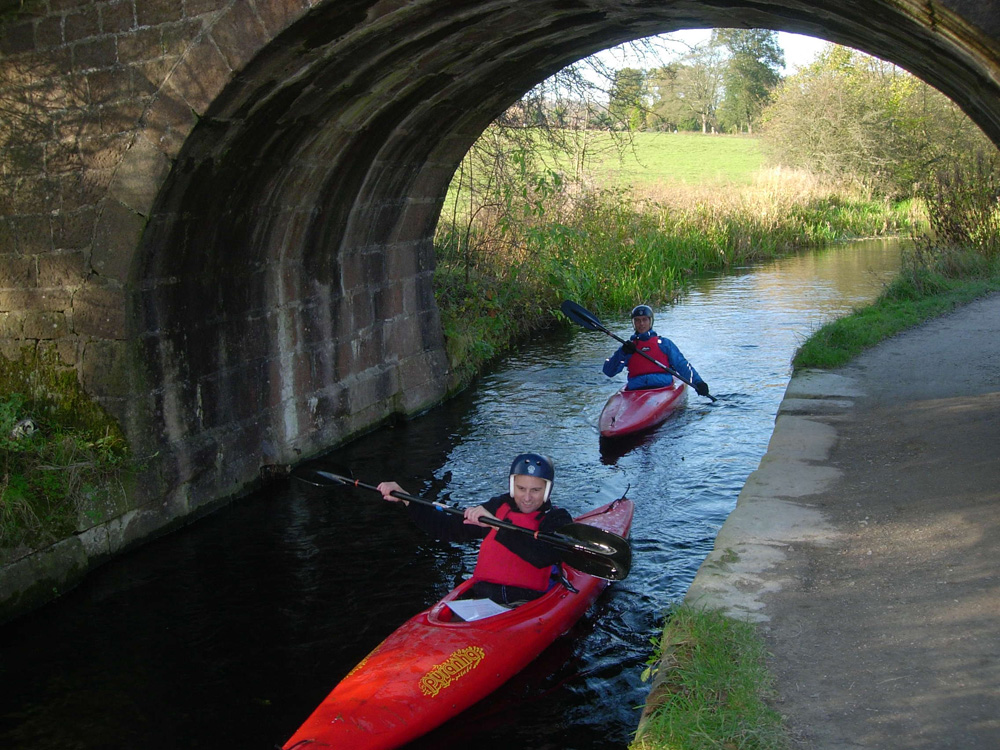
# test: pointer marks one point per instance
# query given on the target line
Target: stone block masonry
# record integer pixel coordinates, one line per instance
(219, 214)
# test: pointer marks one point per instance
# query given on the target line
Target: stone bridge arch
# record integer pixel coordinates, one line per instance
(228, 233)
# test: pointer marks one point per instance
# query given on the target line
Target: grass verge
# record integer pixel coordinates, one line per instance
(710, 687)
(839, 341)
(955, 262)
(922, 291)
(607, 251)
(64, 463)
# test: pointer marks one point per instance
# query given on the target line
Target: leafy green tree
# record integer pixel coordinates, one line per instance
(686, 94)
(751, 74)
(862, 120)
(628, 98)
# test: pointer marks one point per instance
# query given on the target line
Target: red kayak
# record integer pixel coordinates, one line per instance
(437, 665)
(631, 411)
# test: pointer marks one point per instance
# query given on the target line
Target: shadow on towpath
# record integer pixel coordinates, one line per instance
(867, 544)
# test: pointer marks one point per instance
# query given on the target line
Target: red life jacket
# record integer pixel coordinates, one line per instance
(639, 365)
(497, 564)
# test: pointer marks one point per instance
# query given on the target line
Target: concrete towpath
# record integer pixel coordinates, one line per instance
(867, 544)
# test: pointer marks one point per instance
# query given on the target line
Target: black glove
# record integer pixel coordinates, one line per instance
(701, 388)
(629, 347)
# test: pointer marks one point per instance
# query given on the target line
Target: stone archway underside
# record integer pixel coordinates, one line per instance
(286, 270)
(256, 283)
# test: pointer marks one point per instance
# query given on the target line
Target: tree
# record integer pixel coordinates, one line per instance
(628, 98)
(686, 93)
(751, 74)
(863, 120)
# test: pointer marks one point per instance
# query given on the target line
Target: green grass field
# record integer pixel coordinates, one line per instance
(653, 162)
(671, 158)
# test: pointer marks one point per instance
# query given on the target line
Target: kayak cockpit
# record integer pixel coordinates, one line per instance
(462, 608)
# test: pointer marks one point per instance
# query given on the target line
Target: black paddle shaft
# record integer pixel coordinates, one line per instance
(582, 316)
(587, 548)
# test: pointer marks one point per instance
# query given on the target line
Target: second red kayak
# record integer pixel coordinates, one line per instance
(632, 411)
(437, 665)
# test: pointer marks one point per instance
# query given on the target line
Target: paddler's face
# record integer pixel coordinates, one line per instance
(529, 492)
(642, 323)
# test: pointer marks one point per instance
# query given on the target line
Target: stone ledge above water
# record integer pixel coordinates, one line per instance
(772, 513)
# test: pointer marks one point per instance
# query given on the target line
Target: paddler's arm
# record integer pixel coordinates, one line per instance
(444, 526)
(535, 551)
(678, 361)
(475, 515)
(615, 363)
(684, 368)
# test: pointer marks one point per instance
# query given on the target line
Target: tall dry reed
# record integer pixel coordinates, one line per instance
(609, 249)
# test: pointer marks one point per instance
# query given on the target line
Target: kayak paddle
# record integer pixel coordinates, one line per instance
(590, 550)
(582, 316)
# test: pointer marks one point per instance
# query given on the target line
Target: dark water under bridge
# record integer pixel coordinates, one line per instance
(222, 215)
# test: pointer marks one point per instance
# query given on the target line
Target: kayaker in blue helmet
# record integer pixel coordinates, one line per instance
(511, 568)
(641, 372)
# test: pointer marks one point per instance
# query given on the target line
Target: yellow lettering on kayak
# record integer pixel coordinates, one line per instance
(442, 675)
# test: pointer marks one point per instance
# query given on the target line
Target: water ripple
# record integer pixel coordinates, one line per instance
(258, 610)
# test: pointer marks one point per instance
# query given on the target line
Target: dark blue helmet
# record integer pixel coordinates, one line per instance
(643, 310)
(533, 465)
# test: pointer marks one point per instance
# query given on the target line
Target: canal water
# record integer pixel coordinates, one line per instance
(229, 632)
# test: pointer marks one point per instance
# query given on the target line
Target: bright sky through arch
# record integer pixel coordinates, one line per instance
(799, 50)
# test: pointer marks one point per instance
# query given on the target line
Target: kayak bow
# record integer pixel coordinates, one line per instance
(436, 665)
(627, 412)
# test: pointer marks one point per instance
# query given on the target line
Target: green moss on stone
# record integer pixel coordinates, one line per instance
(52, 393)
(72, 470)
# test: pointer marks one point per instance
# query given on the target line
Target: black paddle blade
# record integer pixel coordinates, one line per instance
(321, 477)
(588, 549)
(581, 316)
(595, 551)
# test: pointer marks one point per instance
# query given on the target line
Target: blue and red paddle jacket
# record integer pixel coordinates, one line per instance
(506, 557)
(675, 360)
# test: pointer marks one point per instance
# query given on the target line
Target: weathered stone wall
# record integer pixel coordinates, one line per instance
(156, 249)
(219, 212)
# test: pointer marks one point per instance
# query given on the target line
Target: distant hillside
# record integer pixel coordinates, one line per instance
(690, 158)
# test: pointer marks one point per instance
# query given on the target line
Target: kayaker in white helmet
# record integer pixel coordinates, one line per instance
(641, 372)
(511, 567)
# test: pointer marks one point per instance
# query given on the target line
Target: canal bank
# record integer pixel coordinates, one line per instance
(258, 609)
(866, 544)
